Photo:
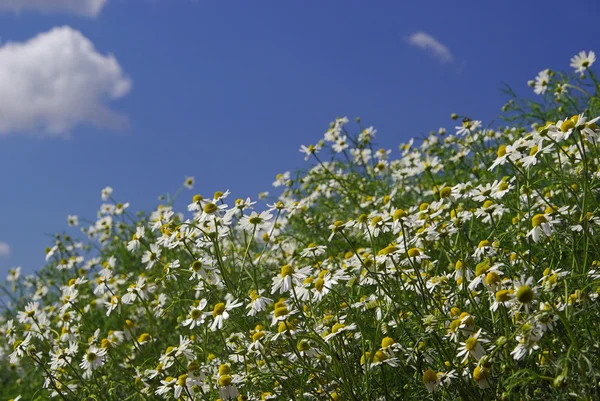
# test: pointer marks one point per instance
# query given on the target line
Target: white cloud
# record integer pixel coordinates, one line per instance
(55, 81)
(427, 42)
(90, 8)
(4, 249)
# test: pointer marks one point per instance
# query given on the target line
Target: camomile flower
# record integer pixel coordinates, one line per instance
(13, 274)
(196, 315)
(32, 309)
(542, 224)
(480, 376)
(134, 244)
(93, 359)
(282, 313)
(430, 380)
(282, 179)
(525, 292)
(227, 390)
(309, 150)
(255, 221)
(501, 188)
(220, 313)
(337, 329)
(135, 290)
(288, 277)
(113, 304)
(483, 270)
(372, 360)
(466, 323)
(414, 256)
(258, 303)
(504, 297)
(541, 82)
(390, 346)
(472, 346)
(106, 192)
(305, 349)
(189, 184)
(19, 349)
(336, 227)
(167, 385)
(527, 341)
(582, 61)
(340, 144)
(534, 152)
(484, 248)
(468, 126)
(313, 250)
(590, 129)
(120, 208)
(73, 221)
(211, 209)
(243, 204)
(285, 329)
(151, 256)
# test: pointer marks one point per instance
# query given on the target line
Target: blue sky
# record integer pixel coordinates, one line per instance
(139, 94)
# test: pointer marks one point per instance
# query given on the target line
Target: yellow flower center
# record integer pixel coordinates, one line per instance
(503, 295)
(480, 373)
(429, 376)
(445, 192)
(225, 380)
(413, 252)
(224, 369)
(471, 343)
(210, 208)
(525, 294)
(287, 270)
(466, 318)
(484, 243)
(538, 219)
(281, 311)
(567, 125)
(303, 345)
(482, 268)
(398, 214)
(387, 342)
(337, 327)
(492, 278)
(218, 309)
(376, 220)
(144, 337)
(181, 380)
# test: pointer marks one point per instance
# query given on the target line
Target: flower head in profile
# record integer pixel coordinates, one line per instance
(430, 380)
(220, 313)
(541, 224)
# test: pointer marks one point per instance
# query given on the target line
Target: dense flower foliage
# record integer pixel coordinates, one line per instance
(466, 268)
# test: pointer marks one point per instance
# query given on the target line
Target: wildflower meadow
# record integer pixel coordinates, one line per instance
(465, 268)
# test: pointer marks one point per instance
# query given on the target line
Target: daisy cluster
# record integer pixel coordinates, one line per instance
(466, 267)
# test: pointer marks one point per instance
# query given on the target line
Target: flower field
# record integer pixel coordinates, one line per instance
(466, 268)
